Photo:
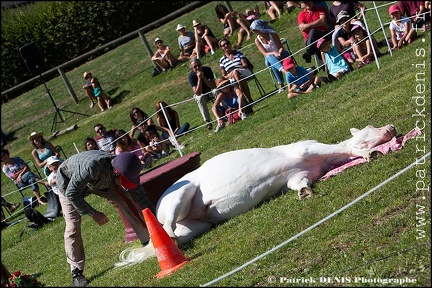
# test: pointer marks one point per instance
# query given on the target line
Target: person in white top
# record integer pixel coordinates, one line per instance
(163, 57)
(53, 163)
(400, 28)
(270, 45)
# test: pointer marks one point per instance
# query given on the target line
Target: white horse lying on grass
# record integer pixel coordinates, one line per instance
(210, 195)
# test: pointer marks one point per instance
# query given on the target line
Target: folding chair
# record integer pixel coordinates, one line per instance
(285, 42)
(60, 149)
(32, 167)
(253, 77)
(35, 217)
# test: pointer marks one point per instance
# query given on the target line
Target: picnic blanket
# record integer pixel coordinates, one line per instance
(395, 144)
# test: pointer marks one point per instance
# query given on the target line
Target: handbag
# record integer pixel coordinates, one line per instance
(232, 115)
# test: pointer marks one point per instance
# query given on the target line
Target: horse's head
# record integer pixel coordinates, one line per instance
(370, 137)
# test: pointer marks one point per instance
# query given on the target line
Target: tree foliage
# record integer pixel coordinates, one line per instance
(63, 30)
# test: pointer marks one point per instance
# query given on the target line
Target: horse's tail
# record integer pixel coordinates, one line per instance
(132, 256)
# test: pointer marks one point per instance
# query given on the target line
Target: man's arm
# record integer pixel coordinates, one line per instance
(321, 22)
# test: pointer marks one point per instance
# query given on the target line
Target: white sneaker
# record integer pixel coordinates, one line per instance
(181, 147)
(212, 52)
(243, 116)
(218, 128)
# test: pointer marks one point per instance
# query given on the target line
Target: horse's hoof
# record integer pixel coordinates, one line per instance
(305, 192)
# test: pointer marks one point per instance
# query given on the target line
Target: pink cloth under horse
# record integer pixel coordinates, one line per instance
(395, 144)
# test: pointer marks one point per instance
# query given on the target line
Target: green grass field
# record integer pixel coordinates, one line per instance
(385, 236)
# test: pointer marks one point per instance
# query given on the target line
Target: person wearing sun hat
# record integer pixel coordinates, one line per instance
(189, 46)
(42, 149)
(109, 177)
(92, 83)
(35, 134)
(269, 44)
(229, 97)
(163, 57)
(299, 80)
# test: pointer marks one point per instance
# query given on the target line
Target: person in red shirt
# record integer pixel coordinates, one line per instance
(312, 22)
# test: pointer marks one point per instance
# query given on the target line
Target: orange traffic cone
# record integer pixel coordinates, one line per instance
(169, 255)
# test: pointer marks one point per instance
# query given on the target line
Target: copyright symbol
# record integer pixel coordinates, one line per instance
(271, 279)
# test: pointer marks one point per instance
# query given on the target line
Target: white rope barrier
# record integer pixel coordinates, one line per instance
(319, 222)
(246, 79)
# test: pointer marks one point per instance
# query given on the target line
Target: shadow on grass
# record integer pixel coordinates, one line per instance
(119, 98)
(9, 137)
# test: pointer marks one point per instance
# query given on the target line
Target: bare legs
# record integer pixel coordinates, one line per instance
(89, 92)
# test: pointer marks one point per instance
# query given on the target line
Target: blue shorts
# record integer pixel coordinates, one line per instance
(97, 91)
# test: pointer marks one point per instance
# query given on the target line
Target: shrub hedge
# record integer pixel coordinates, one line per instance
(63, 30)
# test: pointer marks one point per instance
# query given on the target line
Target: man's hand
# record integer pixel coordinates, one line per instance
(200, 74)
(100, 218)
(303, 27)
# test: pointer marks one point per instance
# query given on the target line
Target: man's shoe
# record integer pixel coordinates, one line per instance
(14, 207)
(78, 279)
(209, 126)
(307, 57)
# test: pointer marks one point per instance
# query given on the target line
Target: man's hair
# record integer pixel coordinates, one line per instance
(193, 60)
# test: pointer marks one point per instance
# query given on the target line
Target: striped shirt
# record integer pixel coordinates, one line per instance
(228, 64)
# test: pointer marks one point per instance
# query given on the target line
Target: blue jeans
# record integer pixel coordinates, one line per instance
(182, 129)
(28, 179)
(276, 65)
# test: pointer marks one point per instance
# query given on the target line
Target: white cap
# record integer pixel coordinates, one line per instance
(53, 159)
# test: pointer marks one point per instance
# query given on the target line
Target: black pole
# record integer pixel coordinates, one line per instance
(52, 99)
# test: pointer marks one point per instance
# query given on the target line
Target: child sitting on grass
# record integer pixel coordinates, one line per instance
(362, 46)
(401, 30)
(335, 64)
(299, 80)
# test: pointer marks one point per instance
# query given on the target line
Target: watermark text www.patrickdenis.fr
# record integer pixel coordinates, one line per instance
(420, 101)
